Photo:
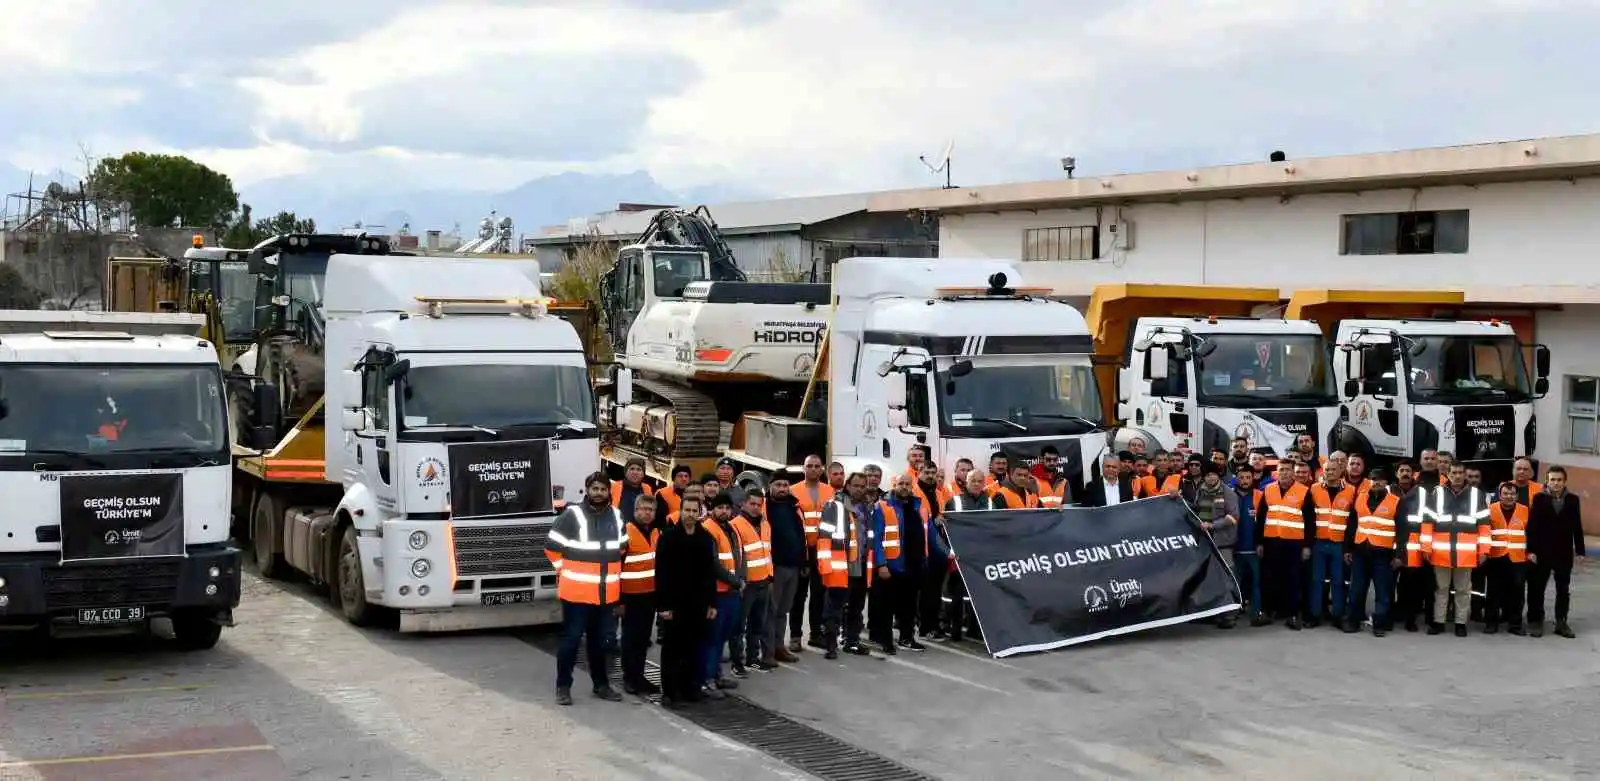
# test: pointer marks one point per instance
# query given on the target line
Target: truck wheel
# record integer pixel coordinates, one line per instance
(352, 587)
(192, 631)
(264, 520)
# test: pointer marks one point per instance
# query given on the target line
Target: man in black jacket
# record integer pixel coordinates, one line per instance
(1112, 487)
(1555, 542)
(686, 589)
(788, 561)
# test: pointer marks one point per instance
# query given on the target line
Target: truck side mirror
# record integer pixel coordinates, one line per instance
(1156, 360)
(1541, 388)
(1354, 362)
(1352, 388)
(350, 390)
(897, 418)
(896, 394)
(1541, 361)
(353, 419)
(622, 389)
(960, 368)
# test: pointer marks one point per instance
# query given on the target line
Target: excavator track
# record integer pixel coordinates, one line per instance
(699, 428)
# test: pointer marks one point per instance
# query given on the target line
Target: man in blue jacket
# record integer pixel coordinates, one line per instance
(896, 590)
(1246, 556)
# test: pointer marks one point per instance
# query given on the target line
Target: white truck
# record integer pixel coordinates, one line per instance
(954, 354)
(114, 464)
(1466, 387)
(464, 420)
(1194, 368)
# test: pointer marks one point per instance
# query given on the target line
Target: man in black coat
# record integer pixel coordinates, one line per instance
(1555, 541)
(686, 590)
(1112, 487)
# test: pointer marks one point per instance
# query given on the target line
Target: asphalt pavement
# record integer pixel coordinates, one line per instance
(294, 692)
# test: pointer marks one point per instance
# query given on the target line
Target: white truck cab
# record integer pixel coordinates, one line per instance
(114, 465)
(1452, 385)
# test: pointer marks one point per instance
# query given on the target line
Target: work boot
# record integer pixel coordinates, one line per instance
(1565, 631)
(831, 653)
(764, 666)
(739, 671)
(785, 656)
(1313, 623)
(858, 649)
(794, 646)
(1491, 628)
(1260, 619)
(1293, 623)
(1378, 631)
(724, 683)
(608, 694)
(1351, 626)
(912, 645)
(1516, 629)
(1435, 628)
(1411, 625)
(1537, 630)
(814, 642)
(711, 692)
(888, 648)
(1461, 630)
(563, 696)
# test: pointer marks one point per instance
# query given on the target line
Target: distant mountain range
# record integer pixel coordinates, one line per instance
(549, 200)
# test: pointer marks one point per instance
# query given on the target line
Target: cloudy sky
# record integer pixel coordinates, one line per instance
(778, 96)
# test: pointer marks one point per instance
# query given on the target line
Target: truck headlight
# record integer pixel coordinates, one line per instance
(420, 568)
(419, 540)
(2, 582)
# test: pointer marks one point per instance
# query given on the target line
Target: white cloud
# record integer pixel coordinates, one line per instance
(822, 95)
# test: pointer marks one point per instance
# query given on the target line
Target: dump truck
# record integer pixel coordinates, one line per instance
(958, 355)
(114, 460)
(463, 418)
(1412, 377)
(210, 281)
(1192, 366)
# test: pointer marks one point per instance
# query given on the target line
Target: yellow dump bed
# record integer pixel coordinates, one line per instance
(1327, 307)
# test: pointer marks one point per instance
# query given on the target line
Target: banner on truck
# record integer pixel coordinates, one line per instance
(1046, 579)
(130, 516)
(500, 479)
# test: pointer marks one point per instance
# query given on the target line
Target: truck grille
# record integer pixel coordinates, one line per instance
(487, 551)
(101, 585)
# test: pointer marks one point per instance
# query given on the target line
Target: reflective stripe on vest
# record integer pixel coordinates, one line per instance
(1333, 511)
(724, 552)
(1375, 526)
(589, 568)
(1456, 540)
(757, 549)
(639, 562)
(811, 507)
(1053, 496)
(1284, 520)
(836, 547)
(1014, 502)
(1508, 536)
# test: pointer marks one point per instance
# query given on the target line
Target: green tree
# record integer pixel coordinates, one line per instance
(162, 191)
(15, 292)
(240, 234)
(248, 232)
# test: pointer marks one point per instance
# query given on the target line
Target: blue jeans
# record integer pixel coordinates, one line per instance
(585, 624)
(1327, 563)
(1372, 567)
(1247, 568)
(720, 632)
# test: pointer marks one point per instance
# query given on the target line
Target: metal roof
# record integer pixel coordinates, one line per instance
(783, 215)
(1536, 159)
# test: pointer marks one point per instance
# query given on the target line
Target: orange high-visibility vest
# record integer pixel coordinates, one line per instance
(1284, 521)
(1052, 496)
(1375, 526)
(1333, 511)
(837, 547)
(1146, 486)
(588, 560)
(757, 548)
(616, 492)
(639, 560)
(670, 496)
(1508, 537)
(724, 551)
(928, 508)
(1012, 501)
(1456, 541)
(811, 507)
(892, 533)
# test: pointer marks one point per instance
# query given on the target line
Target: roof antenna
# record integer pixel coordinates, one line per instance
(943, 165)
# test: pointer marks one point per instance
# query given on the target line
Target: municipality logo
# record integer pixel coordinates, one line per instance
(113, 537)
(430, 472)
(1095, 599)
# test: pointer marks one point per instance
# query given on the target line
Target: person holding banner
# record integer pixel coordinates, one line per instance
(1218, 510)
(973, 497)
(930, 596)
(1286, 532)
(844, 555)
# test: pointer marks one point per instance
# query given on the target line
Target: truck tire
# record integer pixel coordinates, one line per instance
(195, 631)
(265, 520)
(351, 586)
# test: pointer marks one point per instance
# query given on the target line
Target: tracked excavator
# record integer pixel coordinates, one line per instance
(700, 344)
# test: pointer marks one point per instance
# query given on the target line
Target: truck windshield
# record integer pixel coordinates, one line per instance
(303, 275)
(231, 284)
(675, 270)
(1488, 367)
(496, 396)
(111, 410)
(1010, 395)
(1264, 370)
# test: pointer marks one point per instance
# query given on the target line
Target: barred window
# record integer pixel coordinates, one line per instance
(1405, 233)
(1080, 242)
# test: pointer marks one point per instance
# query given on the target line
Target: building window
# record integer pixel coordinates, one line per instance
(1582, 411)
(1405, 233)
(1080, 242)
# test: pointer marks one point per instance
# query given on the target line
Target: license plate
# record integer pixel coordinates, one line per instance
(508, 597)
(110, 615)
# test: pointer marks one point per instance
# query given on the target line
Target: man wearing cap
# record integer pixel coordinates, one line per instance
(1217, 507)
(725, 471)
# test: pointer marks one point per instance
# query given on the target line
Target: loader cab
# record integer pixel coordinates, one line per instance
(642, 276)
(230, 285)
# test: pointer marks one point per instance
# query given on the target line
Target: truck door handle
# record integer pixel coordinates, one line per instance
(360, 448)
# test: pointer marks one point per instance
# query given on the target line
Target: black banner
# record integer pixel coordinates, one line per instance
(1070, 449)
(1045, 579)
(1486, 433)
(1294, 421)
(121, 516)
(500, 479)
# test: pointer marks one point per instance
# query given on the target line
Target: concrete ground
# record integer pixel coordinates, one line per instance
(293, 692)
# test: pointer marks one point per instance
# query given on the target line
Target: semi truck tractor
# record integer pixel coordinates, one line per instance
(462, 420)
(114, 464)
(1192, 366)
(1411, 380)
(957, 355)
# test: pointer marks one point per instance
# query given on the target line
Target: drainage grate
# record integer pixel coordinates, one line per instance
(798, 745)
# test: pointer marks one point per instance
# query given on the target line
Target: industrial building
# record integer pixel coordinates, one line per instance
(789, 239)
(1514, 225)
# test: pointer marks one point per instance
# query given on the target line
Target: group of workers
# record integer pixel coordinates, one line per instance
(716, 573)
